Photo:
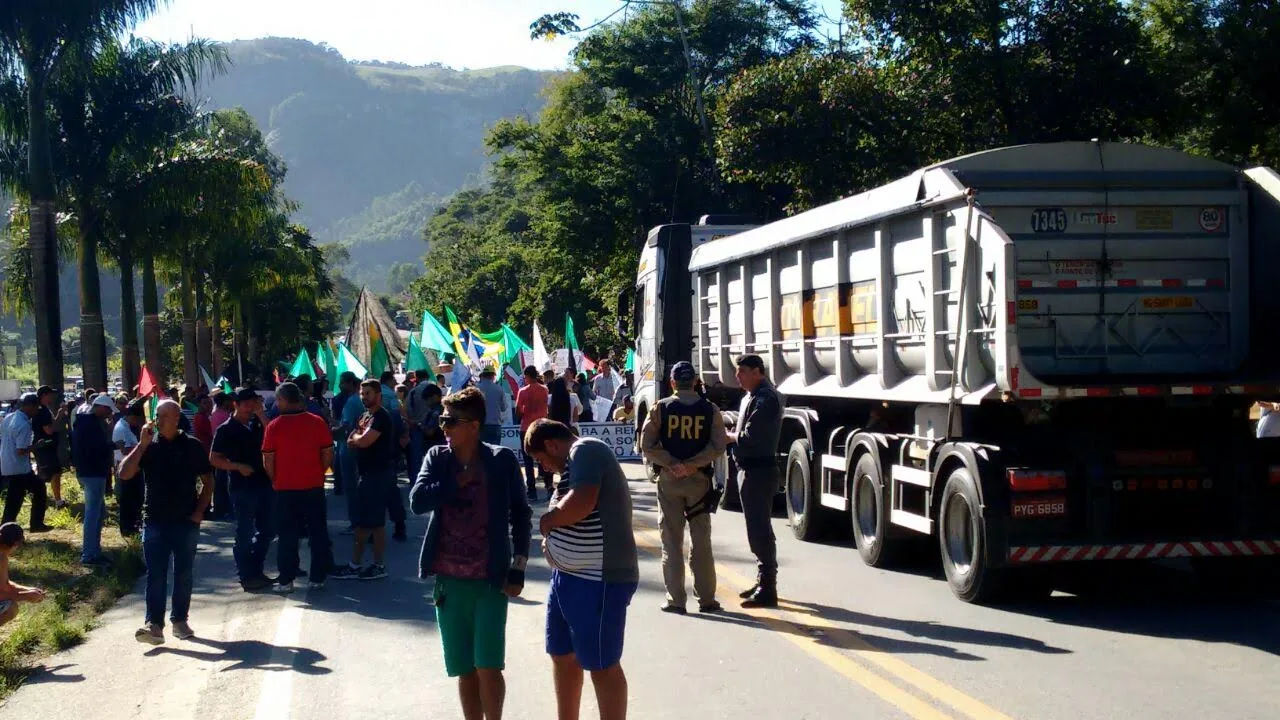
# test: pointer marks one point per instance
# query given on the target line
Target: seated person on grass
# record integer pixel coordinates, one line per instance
(11, 593)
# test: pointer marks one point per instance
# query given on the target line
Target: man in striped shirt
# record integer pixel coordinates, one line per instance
(591, 547)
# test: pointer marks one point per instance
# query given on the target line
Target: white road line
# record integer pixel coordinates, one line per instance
(277, 687)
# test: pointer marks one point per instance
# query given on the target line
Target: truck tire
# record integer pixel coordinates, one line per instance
(804, 510)
(869, 513)
(962, 541)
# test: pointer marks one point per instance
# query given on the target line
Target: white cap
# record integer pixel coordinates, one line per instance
(105, 401)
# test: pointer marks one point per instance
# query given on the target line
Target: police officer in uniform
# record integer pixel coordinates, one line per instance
(755, 451)
(682, 436)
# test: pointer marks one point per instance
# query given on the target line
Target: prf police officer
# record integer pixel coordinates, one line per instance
(682, 436)
(755, 450)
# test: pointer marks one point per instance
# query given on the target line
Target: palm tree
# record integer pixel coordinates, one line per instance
(115, 107)
(35, 36)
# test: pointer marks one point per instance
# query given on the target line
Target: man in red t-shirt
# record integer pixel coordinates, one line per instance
(531, 405)
(297, 448)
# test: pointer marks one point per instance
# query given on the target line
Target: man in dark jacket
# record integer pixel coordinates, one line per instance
(477, 545)
(91, 453)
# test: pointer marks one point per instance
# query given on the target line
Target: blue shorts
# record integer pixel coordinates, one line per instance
(587, 618)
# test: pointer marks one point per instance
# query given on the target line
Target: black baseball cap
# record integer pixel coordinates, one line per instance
(683, 373)
(10, 534)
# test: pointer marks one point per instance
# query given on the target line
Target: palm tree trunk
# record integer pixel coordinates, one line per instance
(93, 345)
(151, 320)
(128, 318)
(203, 340)
(190, 371)
(215, 333)
(237, 339)
(45, 301)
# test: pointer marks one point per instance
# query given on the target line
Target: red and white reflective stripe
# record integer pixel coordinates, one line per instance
(1122, 283)
(1143, 551)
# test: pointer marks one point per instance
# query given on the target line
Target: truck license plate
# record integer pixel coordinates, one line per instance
(1040, 507)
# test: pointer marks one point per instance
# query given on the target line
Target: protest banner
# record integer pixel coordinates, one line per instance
(619, 436)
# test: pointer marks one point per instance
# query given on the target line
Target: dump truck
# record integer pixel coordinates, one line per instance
(1037, 355)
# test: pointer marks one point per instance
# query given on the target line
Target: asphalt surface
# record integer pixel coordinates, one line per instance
(1130, 642)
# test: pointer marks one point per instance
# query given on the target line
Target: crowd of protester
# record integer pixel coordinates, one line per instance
(259, 458)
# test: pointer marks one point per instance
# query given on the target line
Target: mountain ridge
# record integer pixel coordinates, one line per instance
(372, 147)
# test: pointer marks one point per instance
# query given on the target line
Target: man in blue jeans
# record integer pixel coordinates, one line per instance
(91, 453)
(237, 449)
(173, 464)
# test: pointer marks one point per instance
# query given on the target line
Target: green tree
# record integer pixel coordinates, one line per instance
(114, 108)
(36, 37)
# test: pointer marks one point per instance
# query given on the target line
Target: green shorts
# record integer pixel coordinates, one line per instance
(472, 618)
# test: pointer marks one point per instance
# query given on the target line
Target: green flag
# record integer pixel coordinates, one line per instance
(379, 362)
(435, 336)
(348, 362)
(571, 342)
(630, 365)
(324, 358)
(415, 360)
(302, 366)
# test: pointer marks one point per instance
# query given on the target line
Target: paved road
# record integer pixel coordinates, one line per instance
(850, 642)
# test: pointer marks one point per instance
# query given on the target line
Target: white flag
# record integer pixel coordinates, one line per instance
(541, 360)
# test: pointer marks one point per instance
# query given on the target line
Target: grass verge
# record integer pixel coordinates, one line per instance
(76, 595)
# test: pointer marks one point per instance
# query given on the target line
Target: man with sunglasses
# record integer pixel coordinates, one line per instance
(476, 546)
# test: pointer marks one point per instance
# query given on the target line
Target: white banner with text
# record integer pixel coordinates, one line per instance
(619, 436)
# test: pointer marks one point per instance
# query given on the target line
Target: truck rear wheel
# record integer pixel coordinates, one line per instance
(869, 513)
(804, 509)
(962, 540)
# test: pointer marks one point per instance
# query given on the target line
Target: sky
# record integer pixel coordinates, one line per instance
(457, 33)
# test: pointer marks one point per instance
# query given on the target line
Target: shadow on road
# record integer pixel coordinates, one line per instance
(839, 638)
(251, 655)
(928, 629)
(1165, 602)
(41, 675)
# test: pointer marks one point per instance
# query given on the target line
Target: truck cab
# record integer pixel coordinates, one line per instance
(662, 310)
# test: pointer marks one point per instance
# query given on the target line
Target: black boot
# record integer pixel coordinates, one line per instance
(765, 596)
(751, 590)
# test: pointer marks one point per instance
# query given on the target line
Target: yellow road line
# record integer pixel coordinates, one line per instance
(859, 647)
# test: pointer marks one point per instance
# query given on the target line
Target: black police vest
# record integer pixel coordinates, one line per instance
(686, 429)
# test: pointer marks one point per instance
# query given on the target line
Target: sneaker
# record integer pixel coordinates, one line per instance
(150, 634)
(313, 585)
(284, 588)
(674, 609)
(347, 572)
(40, 528)
(256, 584)
(711, 607)
(98, 562)
(532, 494)
(373, 572)
(182, 630)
